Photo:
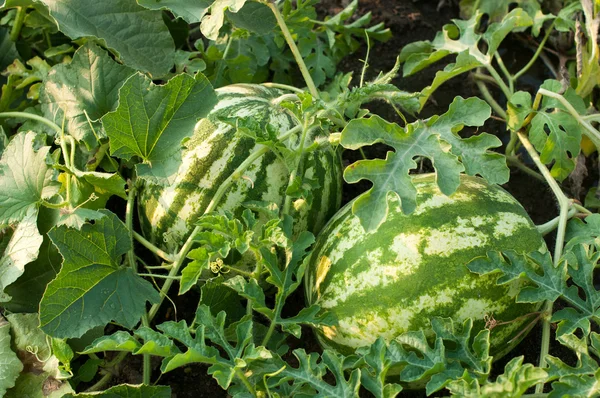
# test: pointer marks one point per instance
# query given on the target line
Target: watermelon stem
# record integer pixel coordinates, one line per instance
(551, 225)
(295, 51)
(564, 204)
(148, 245)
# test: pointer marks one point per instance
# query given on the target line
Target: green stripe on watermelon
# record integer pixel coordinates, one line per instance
(215, 151)
(395, 279)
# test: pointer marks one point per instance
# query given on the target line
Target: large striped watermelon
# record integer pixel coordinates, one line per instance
(395, 279)
(214, 152)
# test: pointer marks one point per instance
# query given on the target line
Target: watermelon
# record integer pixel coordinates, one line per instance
(212, 154)
(413, 268)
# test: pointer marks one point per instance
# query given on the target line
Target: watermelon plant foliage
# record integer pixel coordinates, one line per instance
(103, 102)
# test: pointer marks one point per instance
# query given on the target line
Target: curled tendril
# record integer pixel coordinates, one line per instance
(216, 266)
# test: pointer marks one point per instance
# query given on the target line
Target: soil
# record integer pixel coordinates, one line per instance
(409, 21)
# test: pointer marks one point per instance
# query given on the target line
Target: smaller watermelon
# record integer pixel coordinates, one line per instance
(413, 268)
(215, 151)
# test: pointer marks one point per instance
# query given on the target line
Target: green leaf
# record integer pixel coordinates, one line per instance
(550, 282)
(139, 36)
(378, 363)
(518, 108)
(30, 384)
(255, 17)
(319, 63)
(22, 247)
(8, 52)
(154, 343)
(151, 122)
(514, 382)
(191, 11)
(583, 231)
(92, 287)
(310, 373)
(90, 83)
(10, 366)
(437, 139)
(25, 178)
(197, 350)
(128, 391)
(555, 133)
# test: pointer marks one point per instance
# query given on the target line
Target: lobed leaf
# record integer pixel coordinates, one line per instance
(92, 287)
(90, 83)
(25, 178)
(138, 36)
(436, 139)
(151, 122)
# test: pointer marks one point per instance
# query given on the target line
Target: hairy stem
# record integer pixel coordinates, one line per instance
(504, 70)
(490, 100)
(564, 204)
(148, 245)
(295, 51)
(551, 225)
(507, 92)
(537, 53)
(283, 87)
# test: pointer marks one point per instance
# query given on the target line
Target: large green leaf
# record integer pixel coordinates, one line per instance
(93, 288)
(24, 178)
(10, 366)
(90, 83)
(191, 11)
(138, 35)
(151, 121)
(22, 247)
(437, 139)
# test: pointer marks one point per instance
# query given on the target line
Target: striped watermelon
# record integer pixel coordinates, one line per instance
(395, 279)
(214, 152)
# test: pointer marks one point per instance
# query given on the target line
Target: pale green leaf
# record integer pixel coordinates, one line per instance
(22, 248)
(151, 121)
(32, 385)
(437, 139)
(10, 366)
(26, 293)
(3, 140)
(92, 287)
(139, 36)
(518, 108)
(77, 218)
(515, 20)
(191, 11)
(118, 341)
(212, 24)
(26, 332)
(24, 178)
(128, 391)
(90, 83)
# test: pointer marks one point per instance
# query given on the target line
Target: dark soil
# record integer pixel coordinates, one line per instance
(409, 21)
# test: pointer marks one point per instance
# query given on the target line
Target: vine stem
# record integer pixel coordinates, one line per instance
(537, 53)
(31, 116)
(489, 99)
(147, 368)
(20, 18)
(564, 204)
(283, 87)
(295, 51)
(551, 225)
(148, 245)
(507, 92)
